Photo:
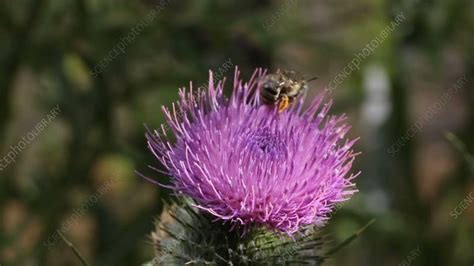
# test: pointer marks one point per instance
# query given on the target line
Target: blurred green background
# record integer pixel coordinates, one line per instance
(109, 66)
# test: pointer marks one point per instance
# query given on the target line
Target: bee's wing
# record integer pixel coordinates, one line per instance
(290, 74)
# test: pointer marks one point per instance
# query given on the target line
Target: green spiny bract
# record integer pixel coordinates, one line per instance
(185, 235)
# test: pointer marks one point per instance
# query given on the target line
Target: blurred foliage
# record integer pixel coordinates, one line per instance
(49, 50)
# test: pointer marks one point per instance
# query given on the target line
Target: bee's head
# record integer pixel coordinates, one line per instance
(271, 85)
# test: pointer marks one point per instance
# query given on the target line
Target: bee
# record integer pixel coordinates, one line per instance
(282, 89)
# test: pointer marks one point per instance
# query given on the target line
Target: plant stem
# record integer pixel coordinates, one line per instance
(350, 239)
(71, 245)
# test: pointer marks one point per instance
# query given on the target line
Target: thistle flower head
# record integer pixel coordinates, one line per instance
(246, 163)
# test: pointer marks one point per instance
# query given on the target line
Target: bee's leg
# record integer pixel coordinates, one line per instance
(284, 103)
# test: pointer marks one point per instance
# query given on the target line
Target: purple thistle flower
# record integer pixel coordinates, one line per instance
(244, 162)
